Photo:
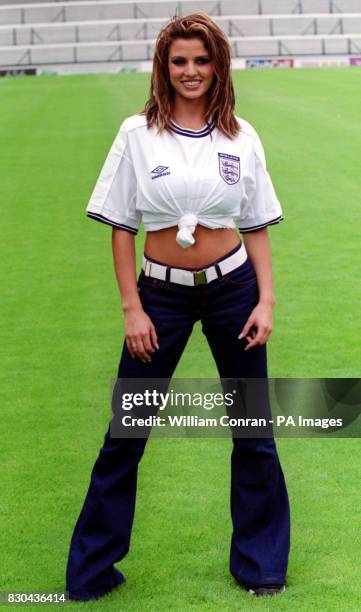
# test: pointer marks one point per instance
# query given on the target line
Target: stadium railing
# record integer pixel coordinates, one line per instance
(89, 10)
(145, 29)
(140, 50)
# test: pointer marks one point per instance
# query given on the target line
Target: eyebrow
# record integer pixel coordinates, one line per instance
(206, 56)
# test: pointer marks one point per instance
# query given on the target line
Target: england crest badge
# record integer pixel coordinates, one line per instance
(229, 168)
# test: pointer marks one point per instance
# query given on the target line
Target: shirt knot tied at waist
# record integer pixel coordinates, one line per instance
(187, 224)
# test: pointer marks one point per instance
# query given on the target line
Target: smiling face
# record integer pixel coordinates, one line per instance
(190, 68)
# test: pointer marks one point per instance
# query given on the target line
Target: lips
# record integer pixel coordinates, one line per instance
(191, 84)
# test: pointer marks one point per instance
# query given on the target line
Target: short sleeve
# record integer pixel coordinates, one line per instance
(114, 196)
(260, 206)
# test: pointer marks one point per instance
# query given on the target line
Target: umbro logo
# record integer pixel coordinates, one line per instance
(160, 171)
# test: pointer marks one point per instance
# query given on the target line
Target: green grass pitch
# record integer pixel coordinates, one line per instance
(62, 336)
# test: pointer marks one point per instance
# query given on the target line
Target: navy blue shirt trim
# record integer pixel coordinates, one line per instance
(102, 219)
(192, 133)
(256, 227)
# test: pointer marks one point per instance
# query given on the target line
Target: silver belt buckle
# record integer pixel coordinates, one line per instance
(200, 278)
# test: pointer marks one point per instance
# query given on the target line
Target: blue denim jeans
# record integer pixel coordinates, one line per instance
(259, 501)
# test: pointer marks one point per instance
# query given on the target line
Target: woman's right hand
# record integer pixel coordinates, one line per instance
(140, 335)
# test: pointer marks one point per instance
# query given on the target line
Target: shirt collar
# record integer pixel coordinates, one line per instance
(204, 131)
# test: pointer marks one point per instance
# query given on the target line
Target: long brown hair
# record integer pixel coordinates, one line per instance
(221, 99)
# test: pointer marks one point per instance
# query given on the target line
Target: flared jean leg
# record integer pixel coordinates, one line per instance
(102, 533)
(259, 500)
(260, 513)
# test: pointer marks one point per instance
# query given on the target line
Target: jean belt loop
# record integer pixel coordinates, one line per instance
(218, 270)
(148, 267)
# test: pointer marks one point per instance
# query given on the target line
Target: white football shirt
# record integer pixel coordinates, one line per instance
(184, 178)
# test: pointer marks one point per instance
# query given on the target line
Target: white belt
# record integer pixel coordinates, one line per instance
(197, 277)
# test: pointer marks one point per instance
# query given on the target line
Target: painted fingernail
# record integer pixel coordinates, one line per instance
(241, 336)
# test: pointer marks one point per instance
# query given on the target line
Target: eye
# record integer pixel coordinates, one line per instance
(200, 60)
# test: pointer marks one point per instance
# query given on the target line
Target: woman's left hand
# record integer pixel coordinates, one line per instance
(258, 327)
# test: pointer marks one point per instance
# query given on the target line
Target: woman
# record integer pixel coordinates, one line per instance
(193, 173)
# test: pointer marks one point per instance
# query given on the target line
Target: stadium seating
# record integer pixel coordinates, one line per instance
(57, 32)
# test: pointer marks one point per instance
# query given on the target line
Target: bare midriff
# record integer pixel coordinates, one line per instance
(210, 244)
